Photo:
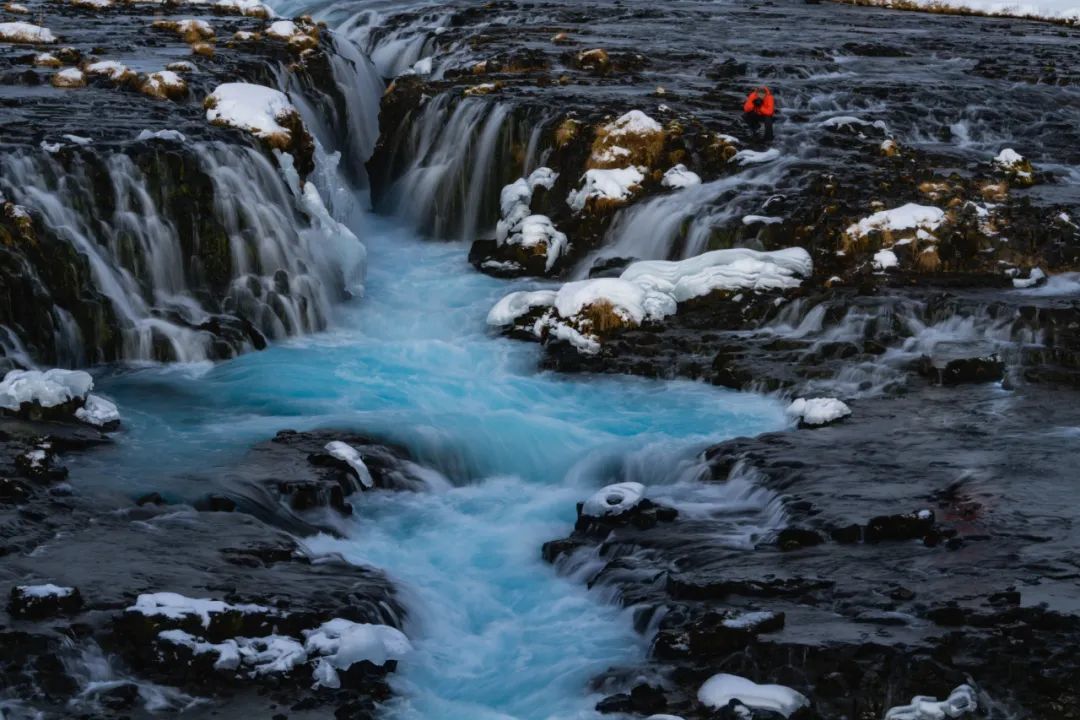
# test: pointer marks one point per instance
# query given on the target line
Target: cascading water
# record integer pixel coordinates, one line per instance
(497, 633)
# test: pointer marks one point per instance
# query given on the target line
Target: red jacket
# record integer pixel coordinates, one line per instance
(767, 107)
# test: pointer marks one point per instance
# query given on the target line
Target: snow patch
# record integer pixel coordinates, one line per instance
(721, 689)
(22, 32)
(343, 643)
(614, 500)
(634, 122)
(177, 607)
(47, 389)
(171, 135)
(616, 185)
(98, 411)
(679, 177)
(818, 411)
(517, 304)
(46, 590)
(961, 701)
(351, 457)
(885, 259)
(907, 217)
(250, 107)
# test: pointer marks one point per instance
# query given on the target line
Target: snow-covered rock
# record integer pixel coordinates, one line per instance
(189, 29)
(256, 108)
(299, 36)
(42, 601)
(885, 259)
(907, 217)
(69, 78)
(818, 411)
(1043, 9)
(26, 33)
(99, 412)
(164, 84)
(679, 177)
(605, 189)
(170, 135)
(960, 702)
(518, 227)
(340, 644)
(248, 8)
(582, 312)
(46, 389)
(1034, 278)
(351, 456)
(226, 652)
(633, 139)
(175, 606)
(115, 71)
(721, 689)
(517, 304)
(614, 500)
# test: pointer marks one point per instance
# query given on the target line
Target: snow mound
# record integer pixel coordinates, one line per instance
(721, 689)
(255, 108)
(1008, 158)
(111, 69)
(98, 411)
(961, 701)
(606, 187)
(517, 304)
(22, 32)
(164, 84)
(343, 643)
(885, 259)
(47, 389)
(818, 411)
(679, 177)
(1064, 10)
(69, 78)
(614, 500)
(351, 457)
(906, 217)
(634, 122)
(46, 590)
(582, 311)
(171, 135)
(177, 607)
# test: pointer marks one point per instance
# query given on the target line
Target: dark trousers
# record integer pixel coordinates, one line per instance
(755, 123)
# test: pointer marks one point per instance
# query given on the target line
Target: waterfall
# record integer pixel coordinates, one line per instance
(443, 171)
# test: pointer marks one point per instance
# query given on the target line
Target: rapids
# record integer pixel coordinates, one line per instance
(497, 633)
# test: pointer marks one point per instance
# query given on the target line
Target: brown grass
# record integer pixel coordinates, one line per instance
(602, 318)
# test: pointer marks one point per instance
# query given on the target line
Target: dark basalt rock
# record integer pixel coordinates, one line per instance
(26, 602)
(965, 370)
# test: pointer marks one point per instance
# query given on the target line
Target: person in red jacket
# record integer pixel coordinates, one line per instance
(758, 111)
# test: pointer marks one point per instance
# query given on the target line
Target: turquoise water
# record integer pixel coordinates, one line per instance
(498, 634)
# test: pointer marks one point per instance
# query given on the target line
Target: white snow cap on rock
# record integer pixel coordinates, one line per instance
(516, 304)
(22, 32)
(98, 411)
(721, 689)
(961, 701)
(343, 643)
(1008, 157)
(652, 289)
(171, 135)
(614, 500)
(818, 411)
(250, 107)
(634, 122)
(616, 185)
(176, 606)
(351, 457)
(109, 68)
(228, 652)
(906, 217)
(46, 590)
(885, 259)
(1044, 9)
(679, 177)
(47, 389)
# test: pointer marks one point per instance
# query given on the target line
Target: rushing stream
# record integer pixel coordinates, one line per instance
(497, 633)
